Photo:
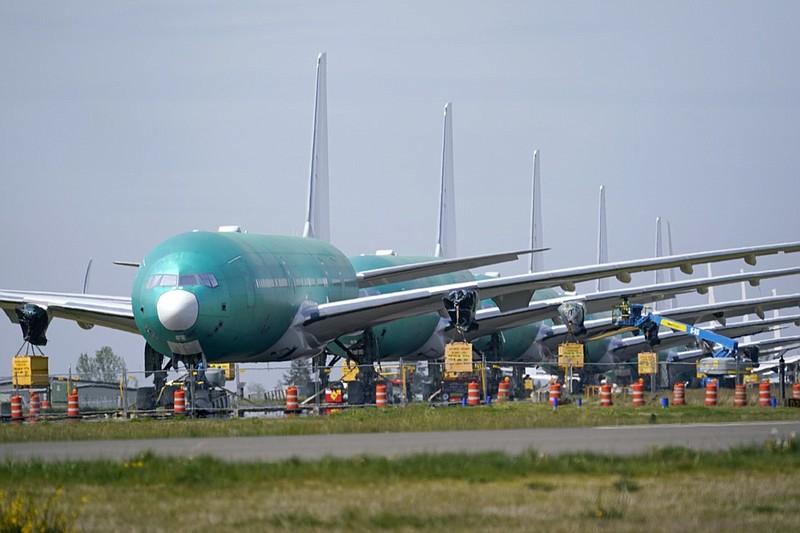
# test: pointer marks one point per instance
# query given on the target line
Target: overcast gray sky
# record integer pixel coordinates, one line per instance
(123, 123)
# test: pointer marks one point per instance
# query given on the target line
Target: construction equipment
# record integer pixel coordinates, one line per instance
(725, 350)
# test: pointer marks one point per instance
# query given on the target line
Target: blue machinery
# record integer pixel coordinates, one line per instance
(725, 359)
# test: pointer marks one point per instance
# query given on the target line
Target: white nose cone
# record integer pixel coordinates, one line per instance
(177, 310)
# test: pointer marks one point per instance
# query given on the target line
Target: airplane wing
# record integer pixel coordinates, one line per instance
(721, 311)
(771, 364)
(630, 347)
(493, 320)
(395, 274)
(328, 321)
(786, 342)
(515, 292)
(108, 311)
(324, 322)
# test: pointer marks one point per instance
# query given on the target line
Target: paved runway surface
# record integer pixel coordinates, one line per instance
(622, 440)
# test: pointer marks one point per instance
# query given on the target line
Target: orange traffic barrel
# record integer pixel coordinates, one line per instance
(796, 391)
(46, 403)
(764, 393)
(711, 393)
(502, 391)
(740, 396)
(638, 393)
(35, 407)
(605, 395)
(679, 394)
(72, 405)
(380, 395)
(292, 405)
(555, 393)
(179, 402)
(473, 393)
(16, 407)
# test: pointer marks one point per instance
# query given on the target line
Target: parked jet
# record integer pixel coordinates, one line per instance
(230, 296)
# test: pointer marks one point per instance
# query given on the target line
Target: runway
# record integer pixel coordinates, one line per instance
(619, 440)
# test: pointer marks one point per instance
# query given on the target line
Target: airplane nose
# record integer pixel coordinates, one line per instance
(177, 310)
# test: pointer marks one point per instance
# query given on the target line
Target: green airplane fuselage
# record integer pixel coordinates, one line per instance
(248, 289)
(234, 297)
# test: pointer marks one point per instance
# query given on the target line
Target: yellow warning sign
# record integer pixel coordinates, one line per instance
(458, 357)
(648, 363)
(29, 371)
(228, 368)
(570, 354)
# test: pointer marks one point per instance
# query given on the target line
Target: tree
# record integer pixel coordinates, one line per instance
(103, 366)
(299, 375)
(256, 390)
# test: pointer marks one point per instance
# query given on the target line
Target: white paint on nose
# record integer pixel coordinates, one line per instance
(177, 310)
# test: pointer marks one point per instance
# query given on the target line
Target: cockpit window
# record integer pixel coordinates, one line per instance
(162, 280)
(208, 280)
(184, 280)
(187, 280)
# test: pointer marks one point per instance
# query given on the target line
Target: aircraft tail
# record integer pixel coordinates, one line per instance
(602, 238)
(318, 221)
(537, 239)
(664, 275)
(446, 227)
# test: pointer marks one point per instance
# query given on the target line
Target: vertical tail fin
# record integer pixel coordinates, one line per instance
(663, 275)
(745, 318)
(776, 313)
(712, 298)
(537, 239)
(446, 227)
(659, 274)
(602, 238)
(318, 219)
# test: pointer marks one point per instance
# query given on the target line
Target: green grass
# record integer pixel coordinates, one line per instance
(491, 491)
(415, 417)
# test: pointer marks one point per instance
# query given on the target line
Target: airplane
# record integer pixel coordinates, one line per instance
(231, 296)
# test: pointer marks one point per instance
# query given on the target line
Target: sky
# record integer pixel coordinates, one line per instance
(123, 123)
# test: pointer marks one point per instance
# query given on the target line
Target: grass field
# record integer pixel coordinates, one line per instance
(415, 417)
(662, 490)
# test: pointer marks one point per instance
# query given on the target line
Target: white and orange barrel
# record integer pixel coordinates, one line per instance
(292, 405)
(473, 393)
(605, 395)
(764, 399)
(679, 394)
(503, 390)
(380, 395)
(711, 393)
(46, 403)
(555, 393)
(179, 402)
(740, 396)
(72, 405)
(16, 407)
(638, 393)
(796, 391)
(35, 407)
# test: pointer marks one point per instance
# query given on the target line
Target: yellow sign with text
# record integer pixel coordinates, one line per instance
(648, 363)
(458, 357)
(570, 354)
